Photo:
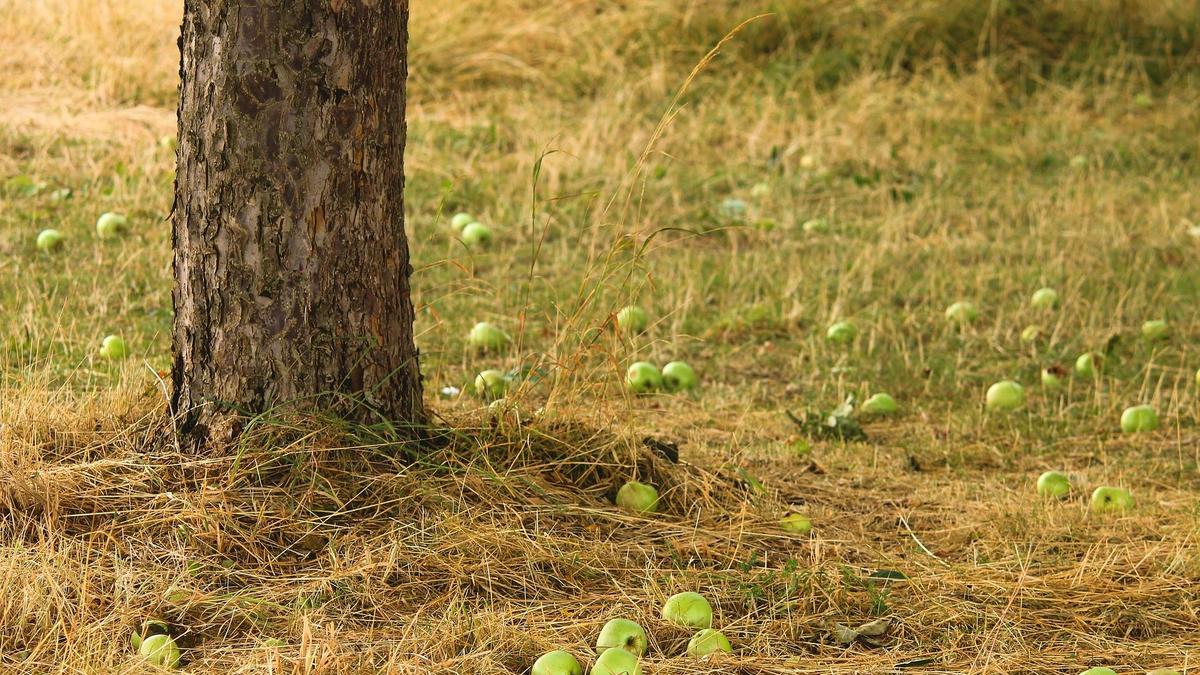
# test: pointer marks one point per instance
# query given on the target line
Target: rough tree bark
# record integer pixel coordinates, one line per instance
(291, 262)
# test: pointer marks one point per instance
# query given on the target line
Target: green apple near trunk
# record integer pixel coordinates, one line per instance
(557, 662)
(678, 376)
(488, 337)
(1139, 418)
(110, 225)
(1107, 499)
(1054, 484)
(688, 610)
(491, 384)
(708, 641)
(616, 662)
(637, 497)
(113, 347)
(622, 635)
(49, 240)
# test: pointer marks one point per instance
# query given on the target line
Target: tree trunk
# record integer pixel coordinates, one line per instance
(291, 262)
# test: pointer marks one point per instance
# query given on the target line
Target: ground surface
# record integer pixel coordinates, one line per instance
(957, 151)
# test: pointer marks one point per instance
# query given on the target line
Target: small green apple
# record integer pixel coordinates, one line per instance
(962, 312)
(622, 635)
(113, 347)
(488, 337)
(797, 523)
(638, 497)
(842, 332)
(491, 384)
(1005, 396)
(476, 235)
(1051, 380)
(273, 643)
(160, 650)
(616, 662)
(678, 376)
(1156, 330)
(632, 320)
(815, 226)
(1099, 670)
(880, 404)
(557, 662)
(1044, 298)
(688, 610)
(1031, 334)
(643, 378)
(461, 220)
(1106, 499)
(1139, 418)
(49, 240)
(1086, 364)
(707, 642)
(110, 225)
(760, 191)
(1053, 484)
(733, 208)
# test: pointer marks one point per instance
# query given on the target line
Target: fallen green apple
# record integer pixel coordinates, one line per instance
(1139, 418)
(880, 404)
(707, 642)
(1053, 484)
(1156, 330)
(622, 635)
(632, 320)
(461, 220)
(1099, 670)
(1031, 334)
(678, 376)
(815, 226)
(688, 610)
(638, 497)
(962, 312)
(643, 378)
(1050, 379)
(557, 662)
(49, 240)
(797, 523)
(476, 235)
(1044, 298)
(110, 225)
(1108, 499)
(488, 336)
(1086, 364)
(616, 662)
(760, 190)
(1005, 396)
(842, 332)
(113, 347)
(160, 650)
(491, 384)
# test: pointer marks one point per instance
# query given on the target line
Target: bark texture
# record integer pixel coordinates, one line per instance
(291, 262)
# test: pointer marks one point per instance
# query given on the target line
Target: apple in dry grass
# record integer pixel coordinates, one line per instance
(616, 662)
(1099, 670)
(488, 336)
(622, 635)
(632, 320)
(643, 378)
(760, 191)
(1031, 334)
(1156, 330)
(476, 235)
(1053, 484)
(113, 347)
(688, 610)
(1005, 396)
(49, 240)
(678, 376)
(638, 497)
(842, 332)
(1050, 379)
(557, 662)
(797, 523)
(110, 225)
(1087, 364)
(1044, 298)
(815, 226)
(1139, 418)
(491, 384)
(962, 312)
(461, 220)
(708, 641)
(160, 650)
(880, 404)
(1111, 499)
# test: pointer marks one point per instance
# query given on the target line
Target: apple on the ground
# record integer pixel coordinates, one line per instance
(476, 235)
(491, 384)
(488, 336)
(1053, 484)
(815, 226)
(1155, 330)
(557, 662)
(616, 662)
(113, 347)
(461, 220)
(632, 320)
(622, 635)
(638, 497)
(643, 378)
(1044, 298)
(1108, 499)
(880, 404)
(49, 240)
(1099, 670)
(1005, 396)
(1051, 380)
(1139, 418)
(160, 650)
(679, 376)
(797, 523)
(962, 312)
(760, 190)
(1031, 334)
(688, 610)
(842, 332)
(1087, 363)
(708, 641)
(110, 225)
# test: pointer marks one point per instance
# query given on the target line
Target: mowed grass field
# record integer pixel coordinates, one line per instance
(956, 150)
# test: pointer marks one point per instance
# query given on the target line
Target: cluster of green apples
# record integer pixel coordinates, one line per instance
(1105, 498)
(622, 642)
(472, 233)
(108, 226)
(644, 377)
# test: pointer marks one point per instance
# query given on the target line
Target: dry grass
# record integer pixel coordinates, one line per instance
(938, 140)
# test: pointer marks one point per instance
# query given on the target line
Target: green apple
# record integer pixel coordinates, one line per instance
(1099, 670)
(632, 320)
(1044, 298)
(1139, 418)
(760, 191)
(557, 662)
(1005, 396)
(488, 336)
(160, 650)
(815, 226)
(643, 378)
(880, 404)
(1156, 330)
(638, 497)
(49, 240)
(491, 384)
(110, 225)
(1106, 499)
(688, 610)
(733, 208)
(461, 220)
(707, 642)
(476, 235)
(1050, 379)
(678, 376)
(1086, 364)
(622, 635)
(616, 662)
(962, 312)
(797, 523)
(113, 347)
(1053, 484)
(842, 332)
(1031, 334)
